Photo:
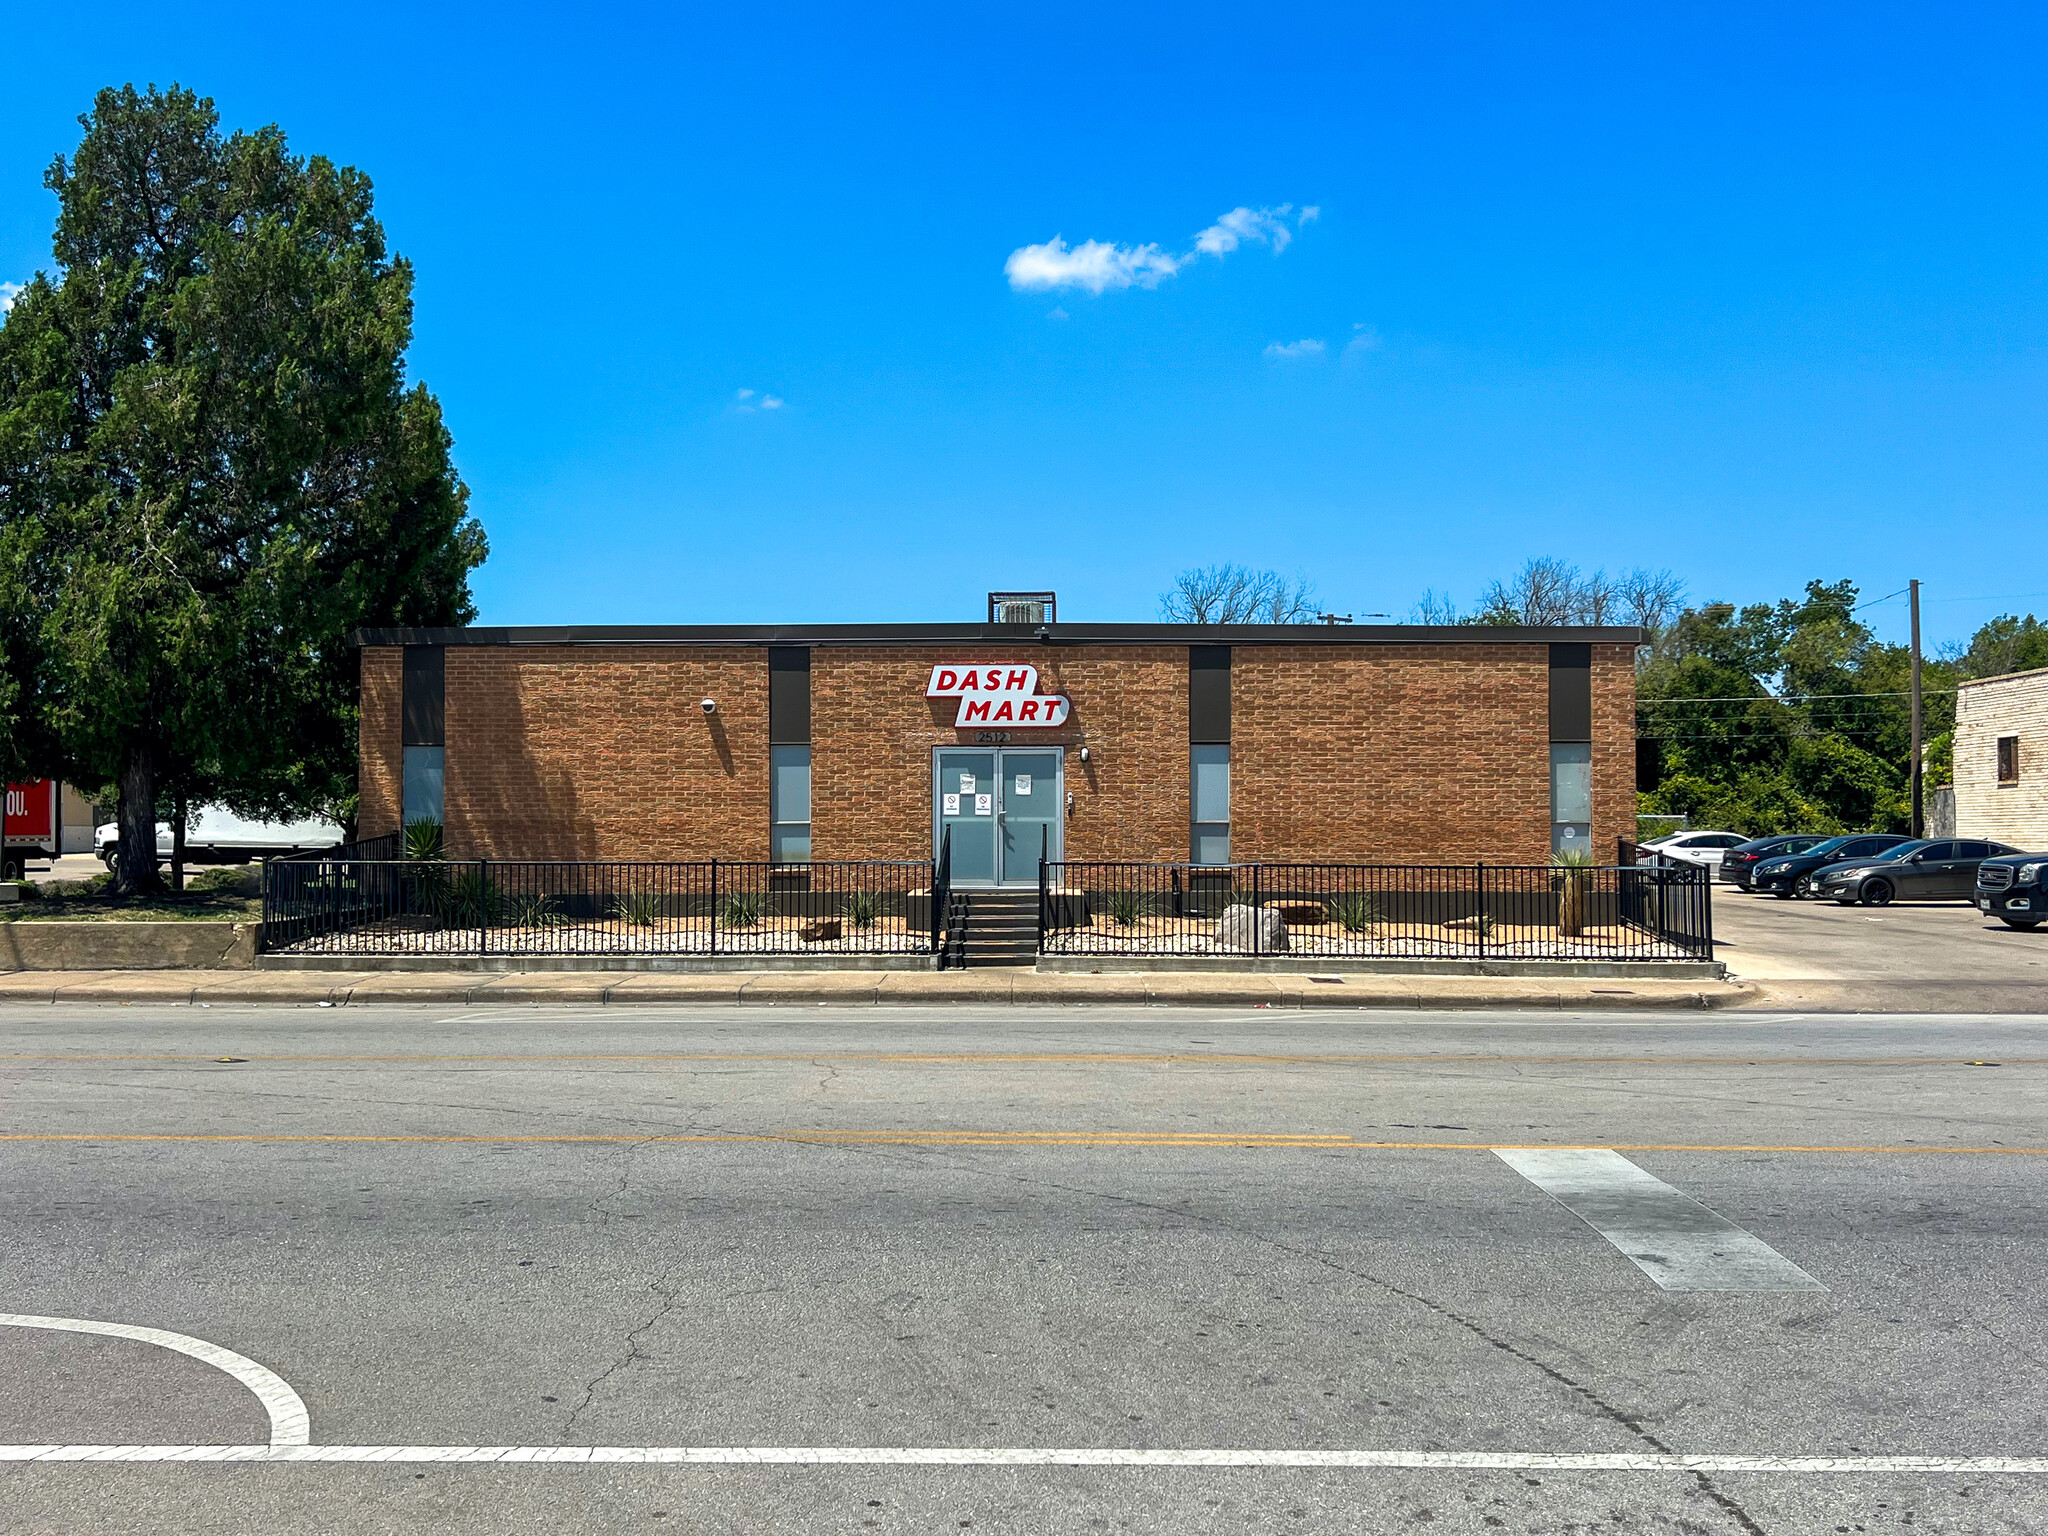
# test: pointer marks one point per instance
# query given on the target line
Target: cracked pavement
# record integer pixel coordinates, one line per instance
(1015, 1228)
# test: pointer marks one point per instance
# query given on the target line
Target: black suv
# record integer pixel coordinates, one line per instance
(1937, 869)
(1740, 862)
(1790, 876)
(2012, 889)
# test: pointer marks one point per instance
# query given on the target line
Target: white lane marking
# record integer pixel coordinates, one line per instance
(1030, 1456)
(288, 1421)
(1671, 1237)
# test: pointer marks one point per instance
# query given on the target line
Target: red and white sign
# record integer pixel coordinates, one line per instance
(32, 814)
(1005, 695)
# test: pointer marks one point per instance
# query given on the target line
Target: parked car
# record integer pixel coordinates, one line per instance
(214, 835)
(1740, 862)
(1786, 876)
(2014, 889)
(1703, 849)
(1936, 869)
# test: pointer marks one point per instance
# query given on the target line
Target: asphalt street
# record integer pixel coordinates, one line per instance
(1765, 938)
(938, 1231)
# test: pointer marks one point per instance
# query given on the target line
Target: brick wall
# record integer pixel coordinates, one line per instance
(1405, 753)
(1614, 749)
(380, 772)
(2014, 813)
(602, 752)
(1393, 754)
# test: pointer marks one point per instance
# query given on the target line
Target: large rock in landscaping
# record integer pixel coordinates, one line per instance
(1240, 925)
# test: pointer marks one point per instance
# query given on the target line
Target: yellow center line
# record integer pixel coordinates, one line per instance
(1220, 1140)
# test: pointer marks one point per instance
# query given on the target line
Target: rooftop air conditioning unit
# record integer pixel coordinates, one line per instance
(1022, 608)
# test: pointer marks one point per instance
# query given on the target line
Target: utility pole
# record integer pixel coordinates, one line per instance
(1919, 810)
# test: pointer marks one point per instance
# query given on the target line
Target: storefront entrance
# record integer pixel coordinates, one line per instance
(1003, 807)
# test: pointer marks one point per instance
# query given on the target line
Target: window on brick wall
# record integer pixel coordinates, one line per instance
(789, 754)
(1211, 830)
(2008, 759)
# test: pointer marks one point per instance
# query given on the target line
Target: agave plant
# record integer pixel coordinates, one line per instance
(742, 909)
(861, 908)
(1124, 906)
(471, 899)
(535, 909)
(638, 909)
(1353, 912)
(425, 877)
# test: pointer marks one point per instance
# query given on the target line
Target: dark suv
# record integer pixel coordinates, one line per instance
(1740, 862)
(1937, 869)
(2013, 890)
(1788, 876)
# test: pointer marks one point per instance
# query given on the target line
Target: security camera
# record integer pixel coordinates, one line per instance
(709, 706)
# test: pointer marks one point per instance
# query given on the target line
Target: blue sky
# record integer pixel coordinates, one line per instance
(1753, 293)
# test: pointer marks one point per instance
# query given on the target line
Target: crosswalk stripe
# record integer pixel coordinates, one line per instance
(1676, 1241)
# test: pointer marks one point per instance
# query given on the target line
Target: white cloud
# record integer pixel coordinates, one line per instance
(1093, 264)
(1308, 346)
(1310, 214)
(1242, 224)
(743, 394)
(1365, 338)
(1098, 265)
(770, 403)
(8, 294)
(1057, 312)
(747, 401)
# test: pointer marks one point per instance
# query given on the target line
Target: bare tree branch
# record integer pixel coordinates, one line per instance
(1236, 594)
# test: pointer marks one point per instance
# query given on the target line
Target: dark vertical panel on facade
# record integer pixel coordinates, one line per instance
(1571, 693)
(789, 695)
(425, 715)
(1649, 763)
(1209, 693)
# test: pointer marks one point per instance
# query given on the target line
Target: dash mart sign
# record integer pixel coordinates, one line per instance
(997, 696)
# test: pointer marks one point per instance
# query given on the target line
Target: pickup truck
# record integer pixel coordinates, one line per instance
(214, 835)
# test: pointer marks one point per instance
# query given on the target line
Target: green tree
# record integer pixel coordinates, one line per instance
(211, 471)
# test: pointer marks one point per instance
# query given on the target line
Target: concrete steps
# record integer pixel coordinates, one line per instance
(1002, 927)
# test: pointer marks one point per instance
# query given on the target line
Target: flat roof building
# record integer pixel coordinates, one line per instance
(2001, 759)
(1205, 744)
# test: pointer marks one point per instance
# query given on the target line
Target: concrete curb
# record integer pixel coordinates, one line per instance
(853, 988)
(1830, 996)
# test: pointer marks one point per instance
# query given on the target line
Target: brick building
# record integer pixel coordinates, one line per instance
(1157, 742)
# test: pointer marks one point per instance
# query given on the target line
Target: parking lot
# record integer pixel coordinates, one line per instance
(1765, 939)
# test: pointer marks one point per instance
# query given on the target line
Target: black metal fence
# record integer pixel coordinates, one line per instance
(1449, 911)
(327, 905)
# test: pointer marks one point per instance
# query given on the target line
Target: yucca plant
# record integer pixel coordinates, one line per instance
(472, 899)
(422, 839)
(1124, 906)
(742, 909)
(425, 876)
(861, 908)
(1574, 882)
(1353, 912)
(638, 909)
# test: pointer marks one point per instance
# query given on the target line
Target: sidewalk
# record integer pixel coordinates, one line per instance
(339, 988)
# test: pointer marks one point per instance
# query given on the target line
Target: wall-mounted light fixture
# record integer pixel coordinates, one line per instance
(709, 706)
(1084, 755)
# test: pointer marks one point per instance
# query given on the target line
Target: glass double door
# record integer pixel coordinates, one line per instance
(1001, 807)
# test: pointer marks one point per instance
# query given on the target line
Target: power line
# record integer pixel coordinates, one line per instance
(1781, 698)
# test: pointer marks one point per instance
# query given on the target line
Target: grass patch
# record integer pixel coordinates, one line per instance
(97, 907)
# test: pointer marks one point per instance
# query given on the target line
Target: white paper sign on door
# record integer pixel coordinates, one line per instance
(984, 805)
(966, 783)
(952, 803)
(1023, 783)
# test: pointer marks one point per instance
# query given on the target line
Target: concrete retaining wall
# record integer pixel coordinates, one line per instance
(115, 946)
